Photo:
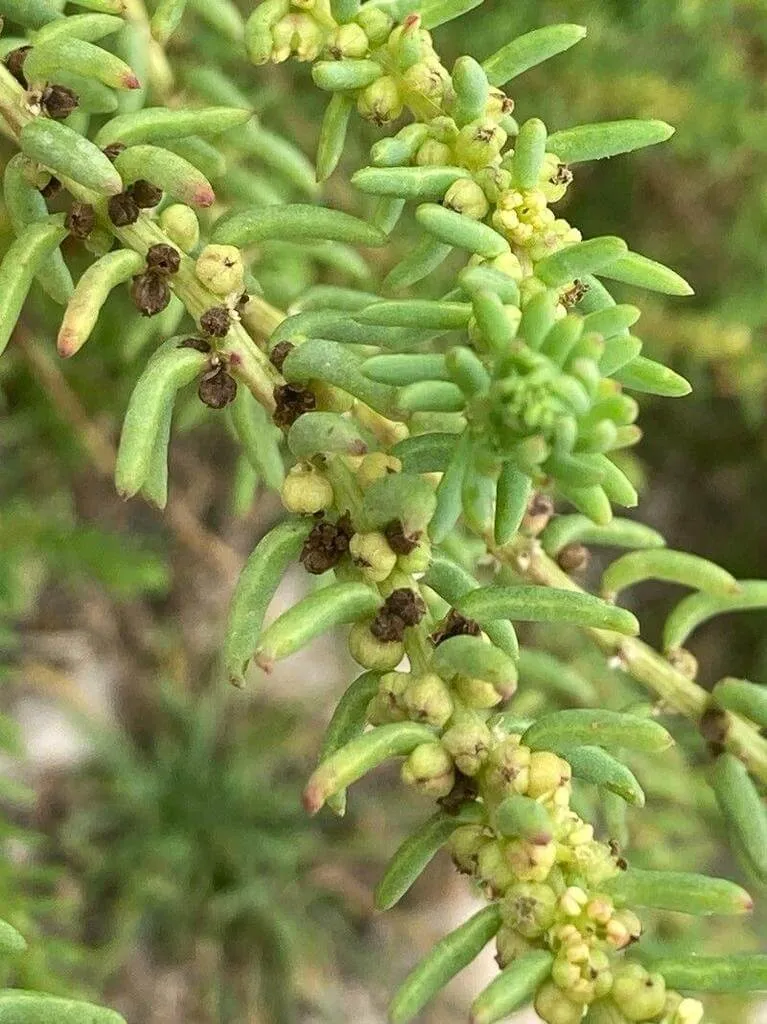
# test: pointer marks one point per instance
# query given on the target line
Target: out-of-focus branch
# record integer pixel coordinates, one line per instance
(182, 521)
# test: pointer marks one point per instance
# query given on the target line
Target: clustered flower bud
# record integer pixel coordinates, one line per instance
(370, 652)
(550, 881)
(372, 555)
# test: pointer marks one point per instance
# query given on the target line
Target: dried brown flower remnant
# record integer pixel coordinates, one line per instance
(326, 545)
(163, 259)
(217, 389)
(573, 558)
(402, 608)
(59, 102)
(454, 624)
(465, 788)
(198, 344)
(714, 727)
(280, 353)
(150, 294)
(80, 220)
(574, 295)
(15, 60)
(562, 176)
(291, 401)
(216, 321)
(113, 150)
(540, 509)
(123, 210)
(52, 189)
(399, 541)
(146, 194)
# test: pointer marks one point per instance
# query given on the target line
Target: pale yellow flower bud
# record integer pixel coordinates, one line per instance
(220, 268)
(430, 769)
(376, 465)
(370, 652)
(434, 153)
(427, 699)
(306, 491)
(479, 143)
(531, 862)
(572, 901)
(348, 41)
(381, 101)
(466, 197)
(553, 1006)
(547, 772)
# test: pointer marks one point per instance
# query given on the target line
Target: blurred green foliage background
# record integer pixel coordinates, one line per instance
(169, 869)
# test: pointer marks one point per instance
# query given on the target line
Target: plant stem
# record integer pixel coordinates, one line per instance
(650, 669)
(247, 361)
(181, 518)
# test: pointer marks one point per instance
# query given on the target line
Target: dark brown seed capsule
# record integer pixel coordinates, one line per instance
(81, 220)
(146, 194)
(59, 102)
(113, 150)
(123, 210)
(573, 558)
(163, 259)
(198, 344)
(454, 624)
(216, 322)
(52, 189)
(400, 542)
(291, 401)
(150, 294)
(280, 353)
(14, 61)
(326, 545)
(217, 390)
